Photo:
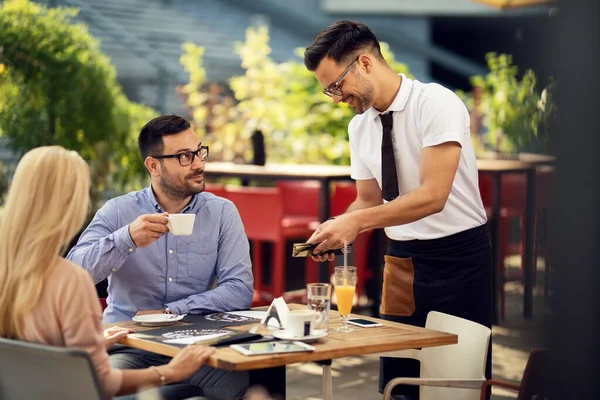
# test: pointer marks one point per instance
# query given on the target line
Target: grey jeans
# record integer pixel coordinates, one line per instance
(216, 384)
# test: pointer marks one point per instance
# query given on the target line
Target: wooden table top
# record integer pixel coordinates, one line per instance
(531, 158)
(391, 337)
(490, 165)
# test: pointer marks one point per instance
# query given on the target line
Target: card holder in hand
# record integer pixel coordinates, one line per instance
(306, 249)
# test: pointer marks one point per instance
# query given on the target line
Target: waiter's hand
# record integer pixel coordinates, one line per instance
(332, 235)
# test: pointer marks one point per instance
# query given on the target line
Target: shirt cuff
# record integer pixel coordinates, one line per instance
(123, 241)
(178, 307)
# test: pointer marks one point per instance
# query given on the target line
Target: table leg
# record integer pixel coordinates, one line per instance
(530, 258)
(496, 243)
(327, 382)
(271, 379)
(324, 206)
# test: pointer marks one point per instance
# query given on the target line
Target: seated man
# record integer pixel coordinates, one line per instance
(147, 268)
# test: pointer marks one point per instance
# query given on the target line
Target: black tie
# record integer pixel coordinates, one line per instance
(389, 177)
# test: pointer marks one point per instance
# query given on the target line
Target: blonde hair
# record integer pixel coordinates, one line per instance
(46, 206)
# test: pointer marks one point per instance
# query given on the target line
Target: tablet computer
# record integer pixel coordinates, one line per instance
(277, 347)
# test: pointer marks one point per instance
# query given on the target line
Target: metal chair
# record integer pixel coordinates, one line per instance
(34, 371)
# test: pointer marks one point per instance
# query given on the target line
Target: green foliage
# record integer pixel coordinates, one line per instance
(512, 107)
(283, 100)
(57, 87)
(3, 182)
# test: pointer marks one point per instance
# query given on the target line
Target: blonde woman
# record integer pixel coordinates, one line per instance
(46, 299)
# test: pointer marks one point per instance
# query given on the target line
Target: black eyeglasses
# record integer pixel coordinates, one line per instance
(334, 89)
(187, 157)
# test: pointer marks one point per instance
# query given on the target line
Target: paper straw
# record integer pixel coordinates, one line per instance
(345, 255)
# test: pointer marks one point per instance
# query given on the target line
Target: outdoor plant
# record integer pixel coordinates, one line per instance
(512, 106)
(283, 100)
(57, 87)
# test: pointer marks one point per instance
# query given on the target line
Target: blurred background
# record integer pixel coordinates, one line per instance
(87, 74)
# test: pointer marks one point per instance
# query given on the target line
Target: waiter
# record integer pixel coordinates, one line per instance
(416, 176)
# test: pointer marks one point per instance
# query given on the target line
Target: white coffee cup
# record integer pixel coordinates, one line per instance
(181, 224)
(301, 323)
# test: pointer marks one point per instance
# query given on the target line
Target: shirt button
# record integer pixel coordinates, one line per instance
(170, 251)
(114, 270)
(130, 250)
(170, 279)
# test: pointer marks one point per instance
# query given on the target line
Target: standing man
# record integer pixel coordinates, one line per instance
(147, 268)
(416, 176)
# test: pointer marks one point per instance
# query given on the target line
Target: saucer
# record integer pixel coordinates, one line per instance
(157, 319)
(285, 335)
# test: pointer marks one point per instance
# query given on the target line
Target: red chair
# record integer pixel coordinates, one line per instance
(533, 385)
(300, 202)
(103, 303)
(301, 210)
(218, 189)
(344, 194)
(262, 212)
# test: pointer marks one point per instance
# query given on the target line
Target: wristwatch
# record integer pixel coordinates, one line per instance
(167, 310)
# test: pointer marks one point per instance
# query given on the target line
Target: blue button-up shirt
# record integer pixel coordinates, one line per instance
(208, 271)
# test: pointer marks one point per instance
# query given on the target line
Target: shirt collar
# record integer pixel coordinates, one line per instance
(399, 102)
(158, 208)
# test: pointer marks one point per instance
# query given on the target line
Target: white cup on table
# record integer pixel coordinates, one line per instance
(301, 323)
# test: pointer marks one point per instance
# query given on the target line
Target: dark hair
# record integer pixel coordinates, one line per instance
(341, 41)
(150, 139)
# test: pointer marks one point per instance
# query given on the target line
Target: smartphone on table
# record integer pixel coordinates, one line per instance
(363, 323)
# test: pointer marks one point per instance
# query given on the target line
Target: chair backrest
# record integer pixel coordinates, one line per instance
(300, 198)
(217, 189)
(34, 371)
(261, 210)
(512, 190)
(535, 379)
(344, 194)
(464, 360)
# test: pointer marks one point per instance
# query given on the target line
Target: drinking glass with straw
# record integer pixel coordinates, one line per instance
(344, 281)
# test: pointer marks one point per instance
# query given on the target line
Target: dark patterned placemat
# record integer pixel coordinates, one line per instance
(219, 320)
(226, 336)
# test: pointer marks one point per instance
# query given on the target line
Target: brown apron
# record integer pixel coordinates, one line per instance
(398, 297)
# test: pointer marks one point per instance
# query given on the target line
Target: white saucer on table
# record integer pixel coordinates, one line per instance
(286, 335)
(157, 319)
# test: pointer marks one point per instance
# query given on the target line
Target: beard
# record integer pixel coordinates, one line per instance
(361, 102)
(180, 190)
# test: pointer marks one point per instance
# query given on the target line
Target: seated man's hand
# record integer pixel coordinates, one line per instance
(114, 334)
(147, 228)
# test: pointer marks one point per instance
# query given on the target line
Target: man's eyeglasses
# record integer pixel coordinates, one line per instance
(334, 89)
(187, 157)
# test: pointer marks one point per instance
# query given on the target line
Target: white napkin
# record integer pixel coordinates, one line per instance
(281, 308)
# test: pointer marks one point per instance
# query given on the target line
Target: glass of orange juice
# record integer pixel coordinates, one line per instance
(344, 281)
